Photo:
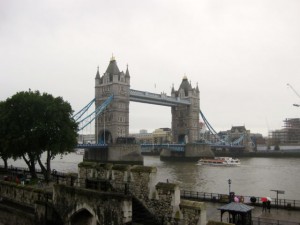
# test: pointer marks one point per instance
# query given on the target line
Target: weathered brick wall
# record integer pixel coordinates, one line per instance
(167, 200)
(94, 170)
(23, 194)
(162, 199)
(193, 212)
(14, 216)
(198, 150)
(105, 207)
(125, 153)
(141, 184)
(21, 204)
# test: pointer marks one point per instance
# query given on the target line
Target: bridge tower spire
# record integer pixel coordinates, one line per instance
(114, 122)
(185, 118)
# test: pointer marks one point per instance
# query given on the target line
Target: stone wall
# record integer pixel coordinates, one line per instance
(103, 207)
(22, 205)
(167, 200)
(130, 153)
(161, 199)
(21, 194)
(68, 204)
(115, 153)
(198, 150)
(13, 216)
(193, 212)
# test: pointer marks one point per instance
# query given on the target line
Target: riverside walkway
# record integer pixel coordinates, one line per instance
(275, 217)
(283, 211)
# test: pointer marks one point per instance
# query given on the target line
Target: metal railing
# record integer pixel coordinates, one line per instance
(254, 200)
(264, 221)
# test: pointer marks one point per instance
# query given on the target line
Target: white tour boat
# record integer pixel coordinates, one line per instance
(220, 161)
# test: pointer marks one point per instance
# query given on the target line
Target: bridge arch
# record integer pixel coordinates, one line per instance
(83, 214)
(182, 138)
(105, 137)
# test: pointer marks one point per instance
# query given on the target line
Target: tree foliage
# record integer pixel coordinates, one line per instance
(39, 123)
(4, 153)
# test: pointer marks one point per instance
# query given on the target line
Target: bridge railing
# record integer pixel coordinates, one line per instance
(91, 145)
(266, 221)
(173, 147)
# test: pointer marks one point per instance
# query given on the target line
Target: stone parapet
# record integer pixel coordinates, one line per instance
(161, 199)
(104, 207)
(105, 195)
(193, 212)
(22, 194)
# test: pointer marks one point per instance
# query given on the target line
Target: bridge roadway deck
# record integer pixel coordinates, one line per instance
(276, 216)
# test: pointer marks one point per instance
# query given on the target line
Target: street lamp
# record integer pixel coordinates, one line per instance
(277, 192)
(229, 183)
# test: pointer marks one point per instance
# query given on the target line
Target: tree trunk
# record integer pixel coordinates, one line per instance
(48, 165)
(31, 165)
(46, 169)
(42, 167)
(5, 163)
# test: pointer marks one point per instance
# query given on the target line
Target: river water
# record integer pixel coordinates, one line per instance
(255, 176)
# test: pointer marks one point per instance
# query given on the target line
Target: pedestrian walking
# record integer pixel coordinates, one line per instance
(269, 206)
(264, 206)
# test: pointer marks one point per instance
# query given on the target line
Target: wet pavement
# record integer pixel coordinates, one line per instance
(289, 216)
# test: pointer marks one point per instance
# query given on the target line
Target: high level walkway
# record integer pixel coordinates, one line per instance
(156, 99)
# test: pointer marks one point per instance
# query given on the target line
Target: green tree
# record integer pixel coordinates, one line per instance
(4, 153)
(39, 124)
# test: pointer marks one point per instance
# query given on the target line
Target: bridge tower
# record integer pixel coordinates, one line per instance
(185, 118)
(114, 122)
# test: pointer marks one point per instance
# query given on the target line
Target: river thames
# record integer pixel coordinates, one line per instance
(255, 176)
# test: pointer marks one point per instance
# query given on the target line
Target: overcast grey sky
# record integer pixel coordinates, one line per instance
(242, 54)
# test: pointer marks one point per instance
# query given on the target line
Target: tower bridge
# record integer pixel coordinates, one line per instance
(112, 98)
(184, 104)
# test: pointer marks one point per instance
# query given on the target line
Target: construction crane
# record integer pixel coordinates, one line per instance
(297, 105)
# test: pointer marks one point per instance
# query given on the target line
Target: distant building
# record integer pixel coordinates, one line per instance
(162, 135)
(86, 139)
(289, 135)
(143, 137)
(159, 136)
(258, 139)
(236, 133)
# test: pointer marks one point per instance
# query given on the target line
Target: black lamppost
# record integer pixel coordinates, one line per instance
(277, 192)
(229, 183)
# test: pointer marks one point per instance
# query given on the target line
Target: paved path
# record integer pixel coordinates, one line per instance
(212, 213)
